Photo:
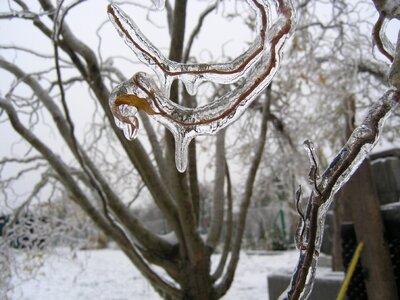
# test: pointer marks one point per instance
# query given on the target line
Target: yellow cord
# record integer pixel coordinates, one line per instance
(350, 272)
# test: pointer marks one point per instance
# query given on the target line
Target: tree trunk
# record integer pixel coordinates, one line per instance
(196, 282)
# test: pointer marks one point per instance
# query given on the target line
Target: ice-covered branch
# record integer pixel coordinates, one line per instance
(388, 9)
(394, 72)
(168, 70)
(226, 281)
(377, 35)
(86, 63)
(338, 172)
(258, 65)
(111, 202)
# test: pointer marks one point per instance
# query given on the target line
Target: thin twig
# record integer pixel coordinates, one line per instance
(376, 34)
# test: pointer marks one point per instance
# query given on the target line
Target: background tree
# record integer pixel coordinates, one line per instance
(103, 172)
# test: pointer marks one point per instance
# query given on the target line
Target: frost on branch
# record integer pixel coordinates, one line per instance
(256, 67)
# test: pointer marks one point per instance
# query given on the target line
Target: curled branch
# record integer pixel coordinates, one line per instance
(376, 34)
(259, 64)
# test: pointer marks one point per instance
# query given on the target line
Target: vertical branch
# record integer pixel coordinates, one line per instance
(394, 72)
(376, 34)
(228, 228)
(190, 101)
(227, 279)
(196, 30)
(190, 241)
(193, 180)
(177, 40)
(168, 8)
(175, 54)
(155, 144)
(217, 217)
(134, 150)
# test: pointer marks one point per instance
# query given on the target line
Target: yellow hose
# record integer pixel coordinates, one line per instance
(350, 271)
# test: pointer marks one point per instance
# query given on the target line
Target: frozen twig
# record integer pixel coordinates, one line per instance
(338, 172)
(376, 33)
(258, 64)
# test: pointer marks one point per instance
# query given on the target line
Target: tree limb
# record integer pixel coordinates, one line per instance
(196, 31)
(217, 218)
(227, 279)
(145, 236)
(134, 149)
(228, 227)
(69, 182)
(340, 169)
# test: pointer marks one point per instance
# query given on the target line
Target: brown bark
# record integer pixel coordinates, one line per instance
(195, 279)
(375, 258)
(219, 197)
(227, 279)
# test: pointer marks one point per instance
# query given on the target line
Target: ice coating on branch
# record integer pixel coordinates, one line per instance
(130, 129)
(257, 66)
(190, 74)
(360, 133)
(313, 176)
(347, 161)
(386, 48)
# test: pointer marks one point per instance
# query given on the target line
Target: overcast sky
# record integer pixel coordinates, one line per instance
(220, 36)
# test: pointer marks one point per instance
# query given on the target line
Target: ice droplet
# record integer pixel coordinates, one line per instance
(126, 120)
(256, 66)
(129, 129)
(181, 151)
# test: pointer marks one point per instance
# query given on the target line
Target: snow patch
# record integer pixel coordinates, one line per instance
(109, 275)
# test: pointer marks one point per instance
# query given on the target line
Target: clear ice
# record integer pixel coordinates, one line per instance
(257, 66)
(363, 137)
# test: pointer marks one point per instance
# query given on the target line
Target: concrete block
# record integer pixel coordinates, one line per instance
(326, 285)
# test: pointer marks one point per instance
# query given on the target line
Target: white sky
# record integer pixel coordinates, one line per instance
(219, 34)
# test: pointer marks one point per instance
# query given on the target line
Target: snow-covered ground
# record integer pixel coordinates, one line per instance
(109, 275)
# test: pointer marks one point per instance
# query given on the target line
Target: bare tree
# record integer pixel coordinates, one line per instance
(98, 176)
(183, 254)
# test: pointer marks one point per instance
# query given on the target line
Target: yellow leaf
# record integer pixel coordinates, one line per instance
(132, 100)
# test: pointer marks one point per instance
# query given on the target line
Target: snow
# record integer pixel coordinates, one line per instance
(109, 275)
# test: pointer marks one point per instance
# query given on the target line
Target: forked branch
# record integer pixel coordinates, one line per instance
(339, 171)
